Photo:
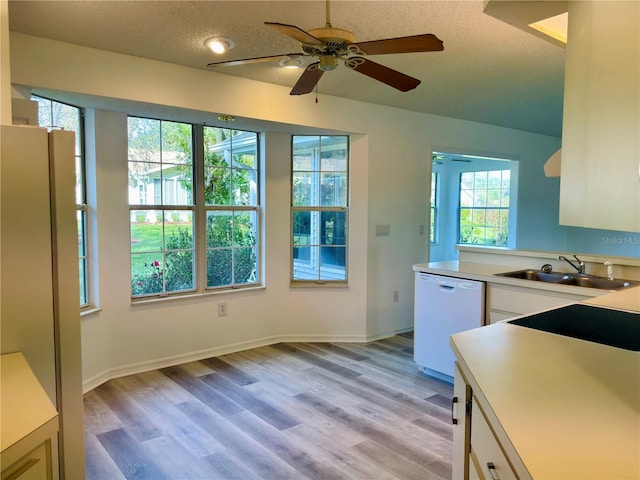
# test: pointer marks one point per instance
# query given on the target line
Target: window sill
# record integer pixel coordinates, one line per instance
(318, 285)
(89, 310)
(193, 295)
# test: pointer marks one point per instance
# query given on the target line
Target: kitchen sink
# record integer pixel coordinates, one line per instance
(615, 328)
(580, 280)
(536, 275)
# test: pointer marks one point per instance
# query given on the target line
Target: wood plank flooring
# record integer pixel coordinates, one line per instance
(286, 411)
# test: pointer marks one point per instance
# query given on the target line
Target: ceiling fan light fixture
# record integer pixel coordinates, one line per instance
(219, 45)
(328, 63)
(291, 62)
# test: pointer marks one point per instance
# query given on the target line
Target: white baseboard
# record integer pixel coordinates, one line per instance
(140, 367)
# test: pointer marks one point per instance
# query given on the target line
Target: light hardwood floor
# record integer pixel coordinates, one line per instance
(286, 411)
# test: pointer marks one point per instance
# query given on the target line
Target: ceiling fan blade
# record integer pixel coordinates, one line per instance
(295, 33)
(247, 61)
(308, 80)
(383, 74)
(412, 44)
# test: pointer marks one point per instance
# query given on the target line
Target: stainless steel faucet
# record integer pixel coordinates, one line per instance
(579, 265)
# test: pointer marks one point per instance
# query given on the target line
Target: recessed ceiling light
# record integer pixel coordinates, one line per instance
(219, 45)
(291, 62)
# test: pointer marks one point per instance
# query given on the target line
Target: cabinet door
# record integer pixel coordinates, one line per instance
(490, 460)
(461, 424)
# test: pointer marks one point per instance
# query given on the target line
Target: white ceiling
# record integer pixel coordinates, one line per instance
(489, 71)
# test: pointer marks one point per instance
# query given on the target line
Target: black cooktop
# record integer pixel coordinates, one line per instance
(615, 328)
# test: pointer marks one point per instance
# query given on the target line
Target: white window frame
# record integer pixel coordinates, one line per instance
(325, 274)
(199, 209)
(82, 210)
(484, 207)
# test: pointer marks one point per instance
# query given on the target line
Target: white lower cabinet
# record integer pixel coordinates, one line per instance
(477, 453)
(36, 465)
(487, 458)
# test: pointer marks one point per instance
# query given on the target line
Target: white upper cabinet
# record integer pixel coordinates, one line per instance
(600, 173)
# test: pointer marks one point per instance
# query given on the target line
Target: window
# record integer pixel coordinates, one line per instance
(484, 207)
(194, 212)
(52, 115)
(319, 209)
(433, 222)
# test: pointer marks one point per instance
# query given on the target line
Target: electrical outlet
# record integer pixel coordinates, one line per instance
(222, 309)
(396, 296)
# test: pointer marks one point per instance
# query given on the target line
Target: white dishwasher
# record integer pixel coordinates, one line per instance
(443, 306)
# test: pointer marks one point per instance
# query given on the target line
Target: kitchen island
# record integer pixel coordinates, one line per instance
(558, 407)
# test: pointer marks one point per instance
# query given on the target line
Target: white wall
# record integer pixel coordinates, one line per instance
(390, 177)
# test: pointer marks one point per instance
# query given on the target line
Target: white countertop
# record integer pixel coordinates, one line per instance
(570, 408)
(26, 408)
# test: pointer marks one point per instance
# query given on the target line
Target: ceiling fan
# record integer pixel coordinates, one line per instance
(329, 45)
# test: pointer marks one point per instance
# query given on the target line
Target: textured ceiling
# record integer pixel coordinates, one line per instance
(489, 71)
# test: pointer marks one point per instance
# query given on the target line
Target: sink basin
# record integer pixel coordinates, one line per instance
(536, 275)
(601, 283)
(615, 328)
(580, 280)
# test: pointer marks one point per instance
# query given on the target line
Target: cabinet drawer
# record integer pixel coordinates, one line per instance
(507, 299)
(486, 454)
(34, 466)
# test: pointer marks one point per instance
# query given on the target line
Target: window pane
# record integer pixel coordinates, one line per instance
(81, 236)
(217, 188)
(479, 198)
(494, 179)
(245, 229)
(466, 180)
(303, 266)
(301, 228)
(146, 231)
(244, 187)
(333, 190)
(44, 112)
(177, 185)
(176, 143)
(82, 266)
(504, 199)
(147, 273)
(219, 267)
(334, 153)
(179, 270)
(219, 229)
(244, 268)
(302, 195)
(332, 228)
(144, 140)
(480, 180)
(245, 149)
(332, 263)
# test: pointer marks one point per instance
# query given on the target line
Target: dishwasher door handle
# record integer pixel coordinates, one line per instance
(447, 288)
